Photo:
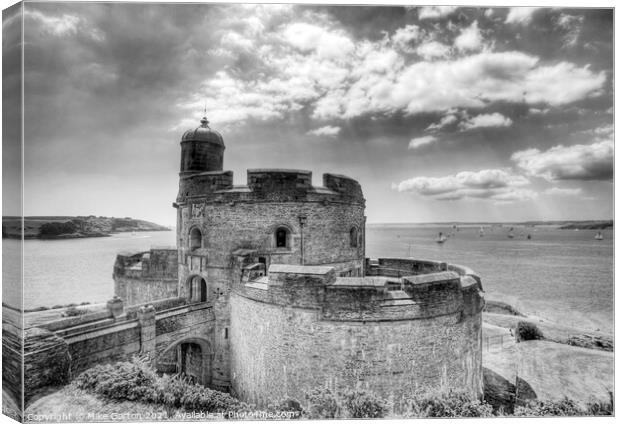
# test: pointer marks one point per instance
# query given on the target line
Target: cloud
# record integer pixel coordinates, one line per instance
(470, 38)
(435, 12)
(473, 81)
(326, 43)
(404, 37)
(486, 121)
(317, 66)
(556, 191)
(329, 131)
(493, 184)
(63, 25)
(433, 50)
(445, 121)
(520, 15)
(577, 162)
(421, 141)
(571, 26)
(56, 25)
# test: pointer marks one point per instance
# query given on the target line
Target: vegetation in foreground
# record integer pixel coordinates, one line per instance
(138, 381)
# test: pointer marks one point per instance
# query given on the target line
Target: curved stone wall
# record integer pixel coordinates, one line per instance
(300, 330)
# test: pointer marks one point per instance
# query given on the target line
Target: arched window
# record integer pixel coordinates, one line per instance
(195, 239)
(353, 237)
(281, 237)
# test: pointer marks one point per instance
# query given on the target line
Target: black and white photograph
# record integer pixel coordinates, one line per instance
(254, 211)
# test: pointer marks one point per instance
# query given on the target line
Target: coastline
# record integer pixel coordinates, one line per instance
(76, 235)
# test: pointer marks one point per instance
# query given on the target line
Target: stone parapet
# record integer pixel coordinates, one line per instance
(269, 185)
(372, 298)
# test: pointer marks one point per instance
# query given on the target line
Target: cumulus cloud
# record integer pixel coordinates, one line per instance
(328, 130)
(493, 184)
(571, 26)
(321, 67)
(578, 162)
(421, 141)
(432, 50)
(327, 43)
(486, 121)
(435, 12)
(473, 81)
(520, 15)
(470, 38)
(556, 191)
(404, 37)
(445, 121)
(63, 25)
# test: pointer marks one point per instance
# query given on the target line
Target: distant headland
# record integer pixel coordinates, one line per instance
(70, 227)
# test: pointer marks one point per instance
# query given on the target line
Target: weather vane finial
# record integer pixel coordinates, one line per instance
(204, 121)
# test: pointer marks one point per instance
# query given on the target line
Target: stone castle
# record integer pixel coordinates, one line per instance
(268, 294)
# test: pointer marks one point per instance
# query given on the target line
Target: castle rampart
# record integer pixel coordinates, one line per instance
(304, 327)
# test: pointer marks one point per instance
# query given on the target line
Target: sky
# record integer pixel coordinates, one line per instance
(441, 113)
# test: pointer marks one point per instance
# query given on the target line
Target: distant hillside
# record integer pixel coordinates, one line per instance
(588, 225)
(65, 227)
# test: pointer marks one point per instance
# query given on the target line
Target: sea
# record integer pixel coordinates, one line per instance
(564, 276)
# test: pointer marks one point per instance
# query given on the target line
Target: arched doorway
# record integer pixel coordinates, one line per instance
(190, 357)
(197, 289)
(189, 362)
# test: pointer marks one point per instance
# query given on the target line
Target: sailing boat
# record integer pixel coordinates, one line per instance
(598, 236)
(441, 238)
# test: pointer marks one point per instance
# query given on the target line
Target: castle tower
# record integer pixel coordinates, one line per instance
(202, 150)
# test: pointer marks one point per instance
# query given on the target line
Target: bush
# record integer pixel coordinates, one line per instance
(363, 404)
(601, 408)
(137, 380)
(72, 311)
(322, 403)
(287, 405)
(448, 404)
(528, 331)
(123, 380)
(51, 229)
(546, 408)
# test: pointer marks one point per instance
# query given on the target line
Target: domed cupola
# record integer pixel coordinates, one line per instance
(202, 150)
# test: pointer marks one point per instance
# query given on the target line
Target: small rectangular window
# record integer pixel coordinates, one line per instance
(226, 333)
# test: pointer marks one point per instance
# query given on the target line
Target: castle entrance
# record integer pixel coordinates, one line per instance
(189, 362)
(190, 357)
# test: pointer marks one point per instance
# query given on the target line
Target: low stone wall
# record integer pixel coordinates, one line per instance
(47, 361)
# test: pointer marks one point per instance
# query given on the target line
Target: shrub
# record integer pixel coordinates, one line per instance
(287, 405)
(364, 404)
(448, 404)
(123, 380)
(51, 229)
(528, 331)
(601, 407)
(546, 408)
(137, 380)
(322, 403)
(73, 312)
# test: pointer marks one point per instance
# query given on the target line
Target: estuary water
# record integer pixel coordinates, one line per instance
(561, 275)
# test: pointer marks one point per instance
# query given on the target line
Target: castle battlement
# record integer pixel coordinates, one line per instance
(268, 185)
(424, 295)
